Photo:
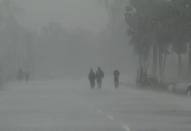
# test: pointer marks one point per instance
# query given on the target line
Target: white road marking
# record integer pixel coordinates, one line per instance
(126, 128)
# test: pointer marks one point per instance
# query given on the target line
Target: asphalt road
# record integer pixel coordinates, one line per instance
(68, 104)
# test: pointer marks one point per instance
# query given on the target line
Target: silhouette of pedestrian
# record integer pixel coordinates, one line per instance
(116, 74)
(99, 77)
(92, 77)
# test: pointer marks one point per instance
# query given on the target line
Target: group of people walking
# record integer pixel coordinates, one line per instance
(97, 78)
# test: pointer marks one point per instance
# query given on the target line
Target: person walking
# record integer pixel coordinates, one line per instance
(99, 77)
(116, 74)
(92, 77)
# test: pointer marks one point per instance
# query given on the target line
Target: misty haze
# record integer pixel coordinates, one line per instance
(95, 65)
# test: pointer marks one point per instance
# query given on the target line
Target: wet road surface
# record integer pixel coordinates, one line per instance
(68, 104)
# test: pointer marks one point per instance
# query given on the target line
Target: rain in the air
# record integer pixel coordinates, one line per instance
(95, 65)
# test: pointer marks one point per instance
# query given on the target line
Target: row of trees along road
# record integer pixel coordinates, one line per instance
(158, 28)
(113, 38)
(15, 46)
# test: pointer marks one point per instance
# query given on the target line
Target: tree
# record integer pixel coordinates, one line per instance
(168, 24)
(11, 35)
(112, 39)
(142, 18)
(182, 30)
(159, 22)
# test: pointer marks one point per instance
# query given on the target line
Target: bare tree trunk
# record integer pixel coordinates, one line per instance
(189, 62)
(139, 70)
(164, 65)
(160, 64)
(155, 58)
(179, 66)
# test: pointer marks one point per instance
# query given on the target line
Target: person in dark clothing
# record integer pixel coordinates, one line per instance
(92, 77)
(116, 74)
(99, 77)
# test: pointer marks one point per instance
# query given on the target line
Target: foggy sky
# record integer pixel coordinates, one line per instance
(57, 57)
(87, 14)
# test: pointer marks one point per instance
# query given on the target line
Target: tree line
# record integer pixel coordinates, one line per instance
(39, 50)
(158, 28)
